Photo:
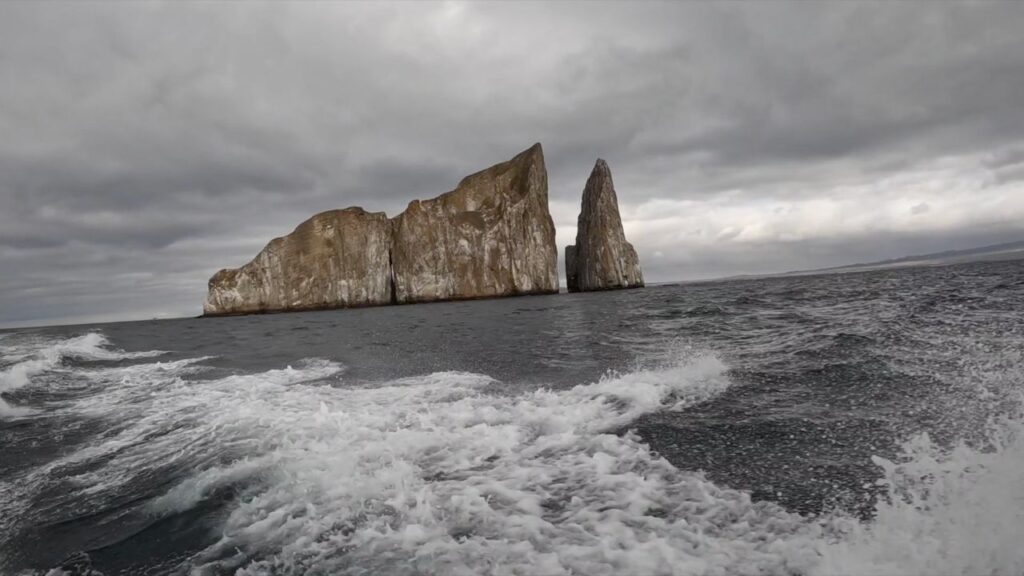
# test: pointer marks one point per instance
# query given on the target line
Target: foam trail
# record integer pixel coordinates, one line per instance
(433, 474)
(35, 358)
(949, 511)
(438, 474)
(336, 480)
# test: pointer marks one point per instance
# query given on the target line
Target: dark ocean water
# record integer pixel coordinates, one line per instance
(842, 424)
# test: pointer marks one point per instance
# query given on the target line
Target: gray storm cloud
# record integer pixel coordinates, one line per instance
(145, 145)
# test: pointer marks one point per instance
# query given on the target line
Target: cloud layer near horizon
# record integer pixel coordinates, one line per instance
(143, 146)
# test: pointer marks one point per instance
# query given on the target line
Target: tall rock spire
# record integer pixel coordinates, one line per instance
(601, 259)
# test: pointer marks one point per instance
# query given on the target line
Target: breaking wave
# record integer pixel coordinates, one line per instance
(447, 473)
(948, 510)
(35, 357)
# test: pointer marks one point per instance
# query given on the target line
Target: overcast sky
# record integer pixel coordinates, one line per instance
(145, 146)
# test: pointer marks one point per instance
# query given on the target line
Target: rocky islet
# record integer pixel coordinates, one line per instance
(491, 236)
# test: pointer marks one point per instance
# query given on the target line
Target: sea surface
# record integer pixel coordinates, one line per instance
(866, 423)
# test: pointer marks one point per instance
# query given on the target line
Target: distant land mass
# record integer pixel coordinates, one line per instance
(992, 253)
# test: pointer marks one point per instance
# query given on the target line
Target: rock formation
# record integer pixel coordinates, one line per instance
(336, 258)
(491, 236)
(601, 259)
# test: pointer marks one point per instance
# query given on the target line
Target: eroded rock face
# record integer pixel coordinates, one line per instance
(601, 259)
(336, 258)
(491, 236)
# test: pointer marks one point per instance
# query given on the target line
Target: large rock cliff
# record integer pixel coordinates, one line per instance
(601, 259)
(336, 258)
(491, 236)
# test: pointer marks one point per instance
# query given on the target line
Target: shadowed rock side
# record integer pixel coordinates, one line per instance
(601, 258)
(336, 258)
(491, 236)
(572, 279)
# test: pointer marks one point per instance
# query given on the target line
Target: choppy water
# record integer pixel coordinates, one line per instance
(846, 424)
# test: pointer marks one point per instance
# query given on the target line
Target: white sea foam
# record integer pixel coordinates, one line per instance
(439, 474)
(34, 357)
(952, 510)
(431, 475)
(8, 411)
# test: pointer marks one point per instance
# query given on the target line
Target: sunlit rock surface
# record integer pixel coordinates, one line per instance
(336, 258)
(601, 259)
(491, 236)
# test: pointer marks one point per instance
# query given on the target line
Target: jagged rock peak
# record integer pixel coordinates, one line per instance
(601, 259)
(491, 236)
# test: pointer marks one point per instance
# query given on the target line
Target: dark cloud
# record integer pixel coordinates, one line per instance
(145, 145)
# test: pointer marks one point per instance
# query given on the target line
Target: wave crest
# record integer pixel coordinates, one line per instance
(37, 357)
(948, 510)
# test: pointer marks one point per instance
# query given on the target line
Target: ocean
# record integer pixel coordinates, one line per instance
(866, 423)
